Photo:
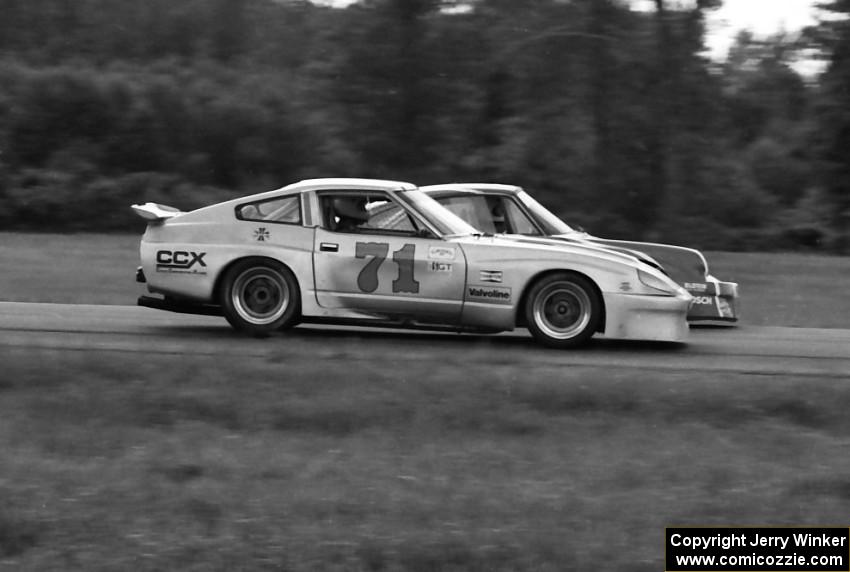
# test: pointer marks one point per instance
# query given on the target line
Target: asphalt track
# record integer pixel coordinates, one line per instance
(92, 328)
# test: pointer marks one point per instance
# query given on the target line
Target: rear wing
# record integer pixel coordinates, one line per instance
(154, 212)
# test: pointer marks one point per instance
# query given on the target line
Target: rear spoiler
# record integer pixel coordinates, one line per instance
(153, 212)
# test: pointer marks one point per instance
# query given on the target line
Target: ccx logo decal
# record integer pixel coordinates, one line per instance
(181, 261)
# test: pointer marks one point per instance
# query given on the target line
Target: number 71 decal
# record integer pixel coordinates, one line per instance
(367, 280)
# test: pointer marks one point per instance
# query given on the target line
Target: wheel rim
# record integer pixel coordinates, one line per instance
(260, 295)
(562, 310)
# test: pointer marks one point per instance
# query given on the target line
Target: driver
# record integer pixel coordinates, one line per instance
(350, 213)
(499, 222)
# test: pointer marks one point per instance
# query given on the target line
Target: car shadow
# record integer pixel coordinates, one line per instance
(516, 339)
(713, 325)
(310, 332)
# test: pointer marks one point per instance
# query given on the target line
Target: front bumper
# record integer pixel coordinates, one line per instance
(651, 318)
(714, 301)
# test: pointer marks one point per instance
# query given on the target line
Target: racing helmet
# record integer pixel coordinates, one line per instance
(353, 208)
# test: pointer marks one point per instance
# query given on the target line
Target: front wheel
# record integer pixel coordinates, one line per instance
(563, 310)
(260, 296)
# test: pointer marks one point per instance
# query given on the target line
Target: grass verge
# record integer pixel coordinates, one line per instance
(115, 461)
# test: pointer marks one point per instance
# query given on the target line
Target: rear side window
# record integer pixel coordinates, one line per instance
(281, 209)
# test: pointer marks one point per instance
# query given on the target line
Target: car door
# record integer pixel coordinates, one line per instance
(386, 264)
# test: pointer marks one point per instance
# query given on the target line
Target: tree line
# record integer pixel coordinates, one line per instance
(614, 118)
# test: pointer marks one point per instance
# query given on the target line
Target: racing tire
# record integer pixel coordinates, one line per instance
(260, 296)
(563, 310)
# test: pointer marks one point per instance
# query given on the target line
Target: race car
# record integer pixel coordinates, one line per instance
(383, 253)
(494, 208)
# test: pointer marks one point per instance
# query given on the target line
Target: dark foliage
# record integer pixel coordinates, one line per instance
(613, 118)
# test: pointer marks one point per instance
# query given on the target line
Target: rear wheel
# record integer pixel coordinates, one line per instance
(563, 310)
(260, 296)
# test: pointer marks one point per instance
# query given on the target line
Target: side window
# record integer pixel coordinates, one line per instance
(386, 215)
(517, 221)
(473, 209)
(281, 209)
(365, 213)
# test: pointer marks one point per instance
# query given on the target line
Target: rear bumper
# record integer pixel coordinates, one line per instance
(653, 318)
(179, 306)
(174, 304)
(713, 301)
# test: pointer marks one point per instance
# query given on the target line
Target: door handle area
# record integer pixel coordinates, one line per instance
(329, 247)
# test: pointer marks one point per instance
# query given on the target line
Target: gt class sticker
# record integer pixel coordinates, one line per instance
(441, 266)
(441, 253)
(489, 294)
(180, 262)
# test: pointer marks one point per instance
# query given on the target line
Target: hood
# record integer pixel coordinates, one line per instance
(581, 239)
(572, 246)
(680, 263)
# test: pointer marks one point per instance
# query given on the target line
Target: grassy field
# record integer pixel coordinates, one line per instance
(801, 290)
(348, 465)
(804, 290)
(69, 268)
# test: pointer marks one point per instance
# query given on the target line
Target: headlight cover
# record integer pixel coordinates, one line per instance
(656, 283)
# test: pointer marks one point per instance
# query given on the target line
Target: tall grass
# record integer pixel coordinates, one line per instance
(122, 461)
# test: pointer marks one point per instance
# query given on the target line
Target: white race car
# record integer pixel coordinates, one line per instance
(383, 253)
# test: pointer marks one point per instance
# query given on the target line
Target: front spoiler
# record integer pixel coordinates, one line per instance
(713, 301)
(179, 306)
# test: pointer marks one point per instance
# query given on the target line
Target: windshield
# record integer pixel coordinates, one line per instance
(550, 223)
(446, 222)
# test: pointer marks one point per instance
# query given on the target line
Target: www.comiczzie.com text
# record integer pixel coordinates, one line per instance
(806, 549)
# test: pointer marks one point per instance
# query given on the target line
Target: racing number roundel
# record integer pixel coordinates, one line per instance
(367, 280)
